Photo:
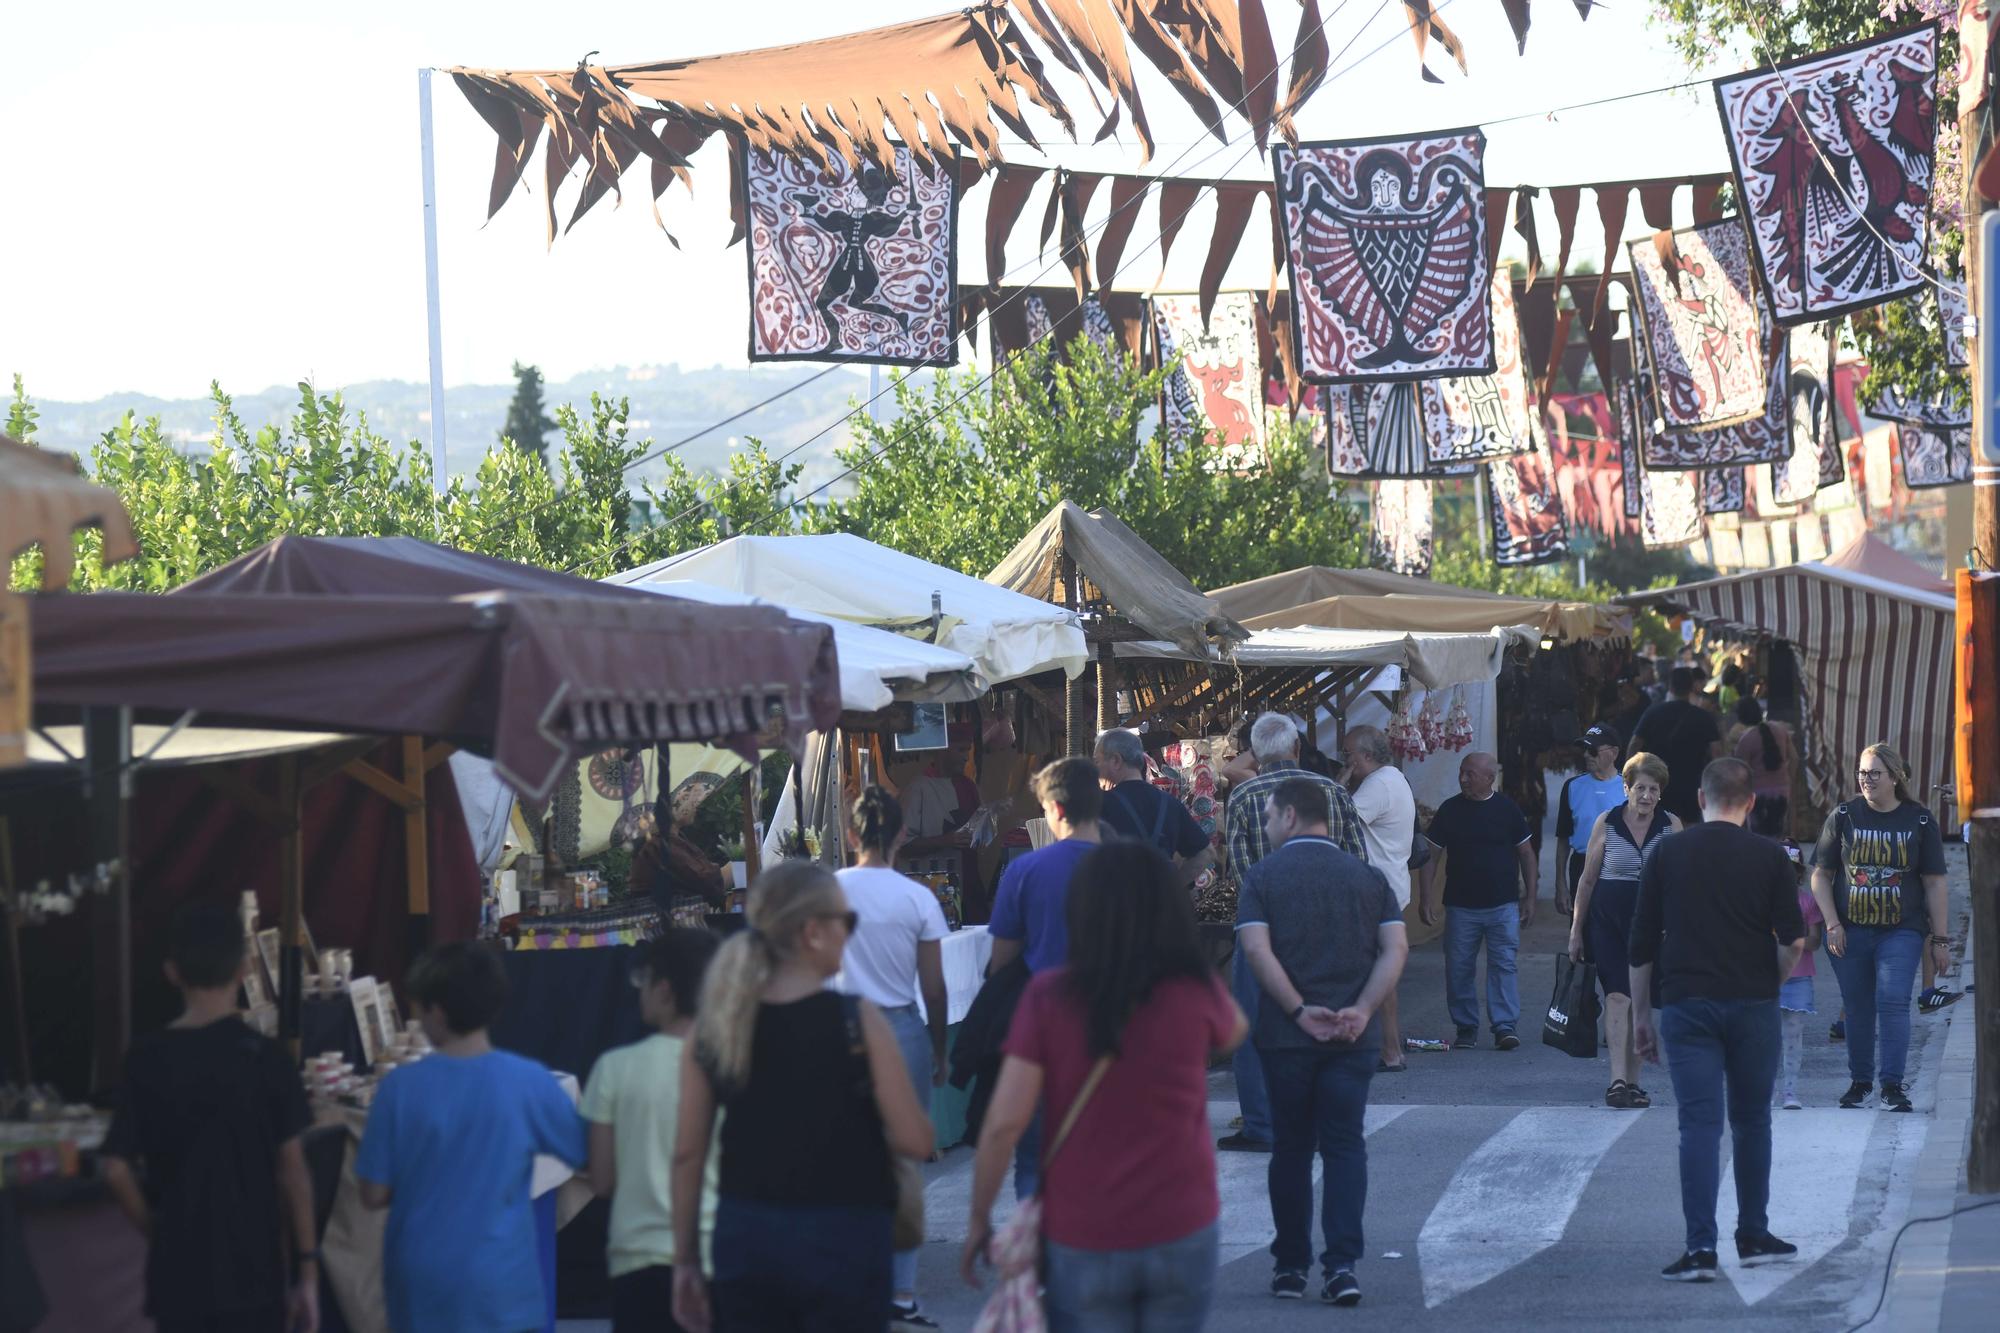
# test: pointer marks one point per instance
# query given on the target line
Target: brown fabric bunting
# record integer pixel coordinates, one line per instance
(1232, 214)
(1524, 223)
(1536, 306)
(1426, 25)
(1076, 194)
(1613, 203)
(1126, 192)
(1017, 310)
(1310, 56)
(1004, 203)
(1565, 198)
(1517, 19)
(1656, 204)
(1176, 198)
(1496, 223)
(1708, 200)
(1598, 319)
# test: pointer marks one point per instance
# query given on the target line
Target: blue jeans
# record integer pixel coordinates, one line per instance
(1708, 1043)
(1465, 929)
(913, 1038)
(1317, 1101)
(785, 1269)
(1877, 978)
(1158, 1289)
(1249, 1070)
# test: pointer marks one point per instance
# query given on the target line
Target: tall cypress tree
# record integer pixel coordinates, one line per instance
(528, 422)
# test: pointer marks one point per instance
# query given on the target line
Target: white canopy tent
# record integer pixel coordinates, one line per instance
(1006, 634)
(1435, 661)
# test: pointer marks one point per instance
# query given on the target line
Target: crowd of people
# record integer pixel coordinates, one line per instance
(760, 1145)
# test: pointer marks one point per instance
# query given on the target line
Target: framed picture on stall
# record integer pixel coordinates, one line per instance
(929, 731)
(367, 1015)
(392, 1019)
(268, 955)
(255, 992)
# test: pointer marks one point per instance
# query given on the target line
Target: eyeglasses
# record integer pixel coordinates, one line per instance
(850, 919)
(1871, 775)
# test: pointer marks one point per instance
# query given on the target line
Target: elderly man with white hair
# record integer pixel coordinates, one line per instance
(1136, 810)
(1274, 739)
(1388, 811)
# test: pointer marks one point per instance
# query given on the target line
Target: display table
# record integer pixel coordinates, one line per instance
(351, 1246)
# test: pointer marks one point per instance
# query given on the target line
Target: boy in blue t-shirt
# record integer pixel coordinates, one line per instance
(449, 1149)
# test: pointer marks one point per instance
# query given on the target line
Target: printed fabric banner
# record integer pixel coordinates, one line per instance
(1671, 515)
(1217, 380)
(1765, 438)
(1584, 443)
(1702, 327)
(1722, 490)
(1377, 430)
(1400, 527)
(1524, 510)
(1834, 158)
(1953, 312)
(1386, 240)
(847, 267)
(1472, 418)
(1796, 478)
(1892, 404)
(1626, 400)
(1934, 455)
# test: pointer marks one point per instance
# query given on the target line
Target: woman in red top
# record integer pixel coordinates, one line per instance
(1130, 1200)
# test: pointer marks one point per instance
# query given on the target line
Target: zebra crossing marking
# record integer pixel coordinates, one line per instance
(1816, 1159)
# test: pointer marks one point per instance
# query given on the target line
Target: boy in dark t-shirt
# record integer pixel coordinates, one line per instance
(209, 1119)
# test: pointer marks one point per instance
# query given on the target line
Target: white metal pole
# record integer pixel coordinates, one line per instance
(431, 278)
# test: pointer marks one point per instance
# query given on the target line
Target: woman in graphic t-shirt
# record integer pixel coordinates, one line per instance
(1130, 1196)
(1767, 747)
(1879, 880)
(1606, 894)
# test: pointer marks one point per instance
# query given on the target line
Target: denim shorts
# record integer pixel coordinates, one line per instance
(1796, 995)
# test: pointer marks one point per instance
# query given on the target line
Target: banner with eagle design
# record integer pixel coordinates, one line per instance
(1834, 156)
(1386, 245)
(1377, 430)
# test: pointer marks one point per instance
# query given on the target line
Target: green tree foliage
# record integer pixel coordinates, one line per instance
(528, 422)
(1901, 340)
(966, 469)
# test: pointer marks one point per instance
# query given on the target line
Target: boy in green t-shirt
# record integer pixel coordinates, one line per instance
(633, 1105)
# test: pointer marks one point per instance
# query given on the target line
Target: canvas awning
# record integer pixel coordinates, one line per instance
(1435, 661)
(1376, 599)
(1873, 632)
(1139, 585)
(396, 636)
(840, 575)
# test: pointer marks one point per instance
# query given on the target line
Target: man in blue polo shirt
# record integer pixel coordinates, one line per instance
(1030, 905)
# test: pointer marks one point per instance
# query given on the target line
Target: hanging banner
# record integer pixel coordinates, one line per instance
(1722, 490)
(1472, 418)
(1799, 476)
(1834, 160)
(1400, 527)
(1377, 430)
(1934, 455)
(1217, 380)
(1670, 509)
(1584, 444)
(847, 267)
(1702, 327)
(1524, 511)
(1765, 438)
(1892, 404)
(1953, 314)
(1626, 400)
(1386, 243)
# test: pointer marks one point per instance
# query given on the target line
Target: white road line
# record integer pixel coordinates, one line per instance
(1816, 1160)
(1513, 1197)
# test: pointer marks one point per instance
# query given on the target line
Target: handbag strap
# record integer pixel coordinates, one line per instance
(1083, 1096)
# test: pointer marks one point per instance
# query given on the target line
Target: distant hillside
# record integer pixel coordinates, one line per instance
(667, 403)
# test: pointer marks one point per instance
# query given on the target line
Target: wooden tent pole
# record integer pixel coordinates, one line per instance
(753, 797)
(416, 829)
(108, 772)
(291, 899)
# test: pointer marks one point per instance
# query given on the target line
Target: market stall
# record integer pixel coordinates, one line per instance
(1872, 633)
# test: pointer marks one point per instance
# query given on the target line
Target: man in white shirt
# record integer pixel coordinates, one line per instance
(1388, 811)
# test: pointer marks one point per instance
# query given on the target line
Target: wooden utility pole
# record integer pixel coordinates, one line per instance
(1983, 846)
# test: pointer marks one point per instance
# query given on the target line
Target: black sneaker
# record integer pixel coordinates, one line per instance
(1287, 1285)
(1341, 1289)
(905, 1318)
(1506, 1041)
(1466, 1040)
(1764, 1249)
(1856, 1094)
(1894, 1098)
(1694, 1266)
(1241, 1142)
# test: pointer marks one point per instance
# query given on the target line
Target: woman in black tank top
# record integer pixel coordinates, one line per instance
(815, 1097)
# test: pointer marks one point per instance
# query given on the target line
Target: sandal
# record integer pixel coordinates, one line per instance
(1384, 1067)
(1637, 1097)
(1619, 1095)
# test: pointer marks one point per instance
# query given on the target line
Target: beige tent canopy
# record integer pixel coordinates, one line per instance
(1376, 600)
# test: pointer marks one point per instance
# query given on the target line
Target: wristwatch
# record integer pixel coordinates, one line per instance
(1296, 1012)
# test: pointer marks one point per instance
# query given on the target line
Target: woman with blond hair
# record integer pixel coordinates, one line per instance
(816, 1099)
(1606, 893)
(1879, 880)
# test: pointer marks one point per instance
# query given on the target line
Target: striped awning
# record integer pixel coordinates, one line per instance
(1875, 663)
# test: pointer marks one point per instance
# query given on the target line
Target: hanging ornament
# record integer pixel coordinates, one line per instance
(1405, 740)
(1458, 729)
(1430, 724)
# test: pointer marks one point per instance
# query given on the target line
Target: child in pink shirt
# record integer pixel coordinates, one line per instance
(1795, 997)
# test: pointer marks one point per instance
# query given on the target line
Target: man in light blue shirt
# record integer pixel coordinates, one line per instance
(1584, 797)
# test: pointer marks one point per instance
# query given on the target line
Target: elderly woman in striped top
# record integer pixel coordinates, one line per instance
(1606, 893)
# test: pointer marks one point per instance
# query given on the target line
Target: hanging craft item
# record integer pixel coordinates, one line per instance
(1670, 508)
(1722, 490)
(1765, 438)
(1471, 418)
(1934, 455)
(1377, 430)
(1625, 399)
(1525, 510)
(1833, 156)
(1386, 243)
(1400, 527)
(1216, 381)
(1795, 478)
(1430, 723)
(1892, 404)
(1701, 326)
(851, 265)
(1458, 727)
(1405, 740)
(1953, 314)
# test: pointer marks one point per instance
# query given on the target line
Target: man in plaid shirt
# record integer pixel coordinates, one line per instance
(1274, 740)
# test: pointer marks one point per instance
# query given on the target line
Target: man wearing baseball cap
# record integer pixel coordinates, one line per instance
(1584, 797)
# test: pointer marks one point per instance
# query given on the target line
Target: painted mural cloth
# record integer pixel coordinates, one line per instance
(1703, 330)
(847, 267)
(1892, 404)
(1217, 381)
(1765, 438)
(1524, 510)
(1935, 455)
(1400, 527)
(1377, 430)
(1472, 418)
(1952, 315)
(1722, 490)
(1386, 241)
(1834, 161)
(1798, 477)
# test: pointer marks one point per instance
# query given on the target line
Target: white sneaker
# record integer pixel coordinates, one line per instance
(1792, 1102)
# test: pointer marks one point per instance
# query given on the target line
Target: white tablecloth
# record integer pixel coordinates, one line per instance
(965, 956)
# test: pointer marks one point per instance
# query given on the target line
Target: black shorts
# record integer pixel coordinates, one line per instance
(642, 1301)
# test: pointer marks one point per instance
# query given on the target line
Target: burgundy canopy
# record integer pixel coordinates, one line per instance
(398, 636)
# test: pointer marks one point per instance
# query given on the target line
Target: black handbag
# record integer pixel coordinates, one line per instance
(1571, 1025)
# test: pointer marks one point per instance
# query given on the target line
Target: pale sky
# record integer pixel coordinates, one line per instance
(219, 190)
